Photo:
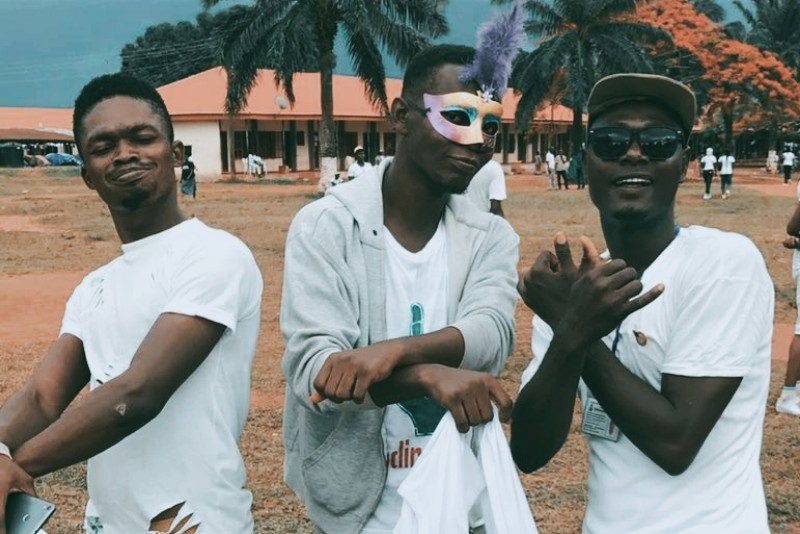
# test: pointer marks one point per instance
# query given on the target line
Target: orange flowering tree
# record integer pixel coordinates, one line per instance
(733, 79)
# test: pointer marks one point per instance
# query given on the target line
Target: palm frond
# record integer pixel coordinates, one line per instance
(402, 42)
(366, 56)
(425, 16)
(543, 19)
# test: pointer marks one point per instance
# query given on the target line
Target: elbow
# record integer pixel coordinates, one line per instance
(527, 454)
(134, 406)
(675, 468)
(526, 462)
(675, 459)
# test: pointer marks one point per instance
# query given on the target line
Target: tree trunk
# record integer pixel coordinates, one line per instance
(727, 121)
(231, 142)
(576, 133)
(773, 134)
(327, 25)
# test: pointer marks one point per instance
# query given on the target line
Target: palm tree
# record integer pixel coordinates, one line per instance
(285, 33)
(711, 9)
(580, 42)
(775, 26)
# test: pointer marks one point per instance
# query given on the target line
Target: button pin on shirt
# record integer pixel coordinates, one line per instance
(641, 338)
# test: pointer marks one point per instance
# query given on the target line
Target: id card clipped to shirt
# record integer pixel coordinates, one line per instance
(596, 422)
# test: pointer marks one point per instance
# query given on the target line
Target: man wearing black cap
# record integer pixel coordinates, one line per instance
(671, 371)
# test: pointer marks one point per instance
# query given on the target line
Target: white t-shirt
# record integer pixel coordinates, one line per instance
(189, 453)
(708, 161)
(550, 159)
(788, 158)
(355, 170)
(714, 319)
(416, 303)
(726, 164)
(488, 184)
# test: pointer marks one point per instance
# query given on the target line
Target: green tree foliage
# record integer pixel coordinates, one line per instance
(169, 52)
(711, 9)
(579, 42)
(774, 26)
(286, 31)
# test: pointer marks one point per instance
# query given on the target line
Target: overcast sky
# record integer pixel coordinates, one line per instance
(50, 48)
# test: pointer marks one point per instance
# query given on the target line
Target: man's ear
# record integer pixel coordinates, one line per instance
(398, 114)
(86, 178)
(177, 153)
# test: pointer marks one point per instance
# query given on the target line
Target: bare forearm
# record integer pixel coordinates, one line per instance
(543, 412)
(641, 412)
(445, 347)
(403, 384)
(793, 226)
(104, 418)
(21, 418)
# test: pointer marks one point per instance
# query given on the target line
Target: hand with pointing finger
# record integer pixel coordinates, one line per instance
(603, 294)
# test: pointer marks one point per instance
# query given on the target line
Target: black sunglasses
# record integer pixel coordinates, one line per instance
(658, 143)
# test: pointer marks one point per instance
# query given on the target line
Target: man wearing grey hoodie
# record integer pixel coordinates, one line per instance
(398, 305)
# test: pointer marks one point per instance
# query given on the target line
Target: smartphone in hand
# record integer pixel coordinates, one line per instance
(26, 514)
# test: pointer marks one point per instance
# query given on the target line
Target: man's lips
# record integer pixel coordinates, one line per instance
(633, 181)
(130, 174)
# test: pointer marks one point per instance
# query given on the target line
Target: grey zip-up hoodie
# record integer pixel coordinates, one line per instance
(334, 300)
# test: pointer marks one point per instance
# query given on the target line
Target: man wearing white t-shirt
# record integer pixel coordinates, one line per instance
(359, 166)
(708, 164)
(164, 337)
(398, 304)
(487, 189)
(726, 162)
(788, 158)
(550, 161)
(666, 338)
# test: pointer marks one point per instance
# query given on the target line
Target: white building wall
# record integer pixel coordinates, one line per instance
(203, 137)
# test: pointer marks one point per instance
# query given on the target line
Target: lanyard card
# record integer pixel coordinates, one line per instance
(596, 421)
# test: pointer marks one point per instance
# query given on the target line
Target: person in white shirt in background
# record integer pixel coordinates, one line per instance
(359, 166)
(726, 162)
(550, 161)
(788, 158)
(708, 165)
(789, 399)
(487, 189)
(666, 339)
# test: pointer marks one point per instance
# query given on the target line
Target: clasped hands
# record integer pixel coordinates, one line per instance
(588, 300)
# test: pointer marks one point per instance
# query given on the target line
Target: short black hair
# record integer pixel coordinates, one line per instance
(422, 69)
(119, 84)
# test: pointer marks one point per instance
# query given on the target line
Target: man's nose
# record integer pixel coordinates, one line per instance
(125, 151)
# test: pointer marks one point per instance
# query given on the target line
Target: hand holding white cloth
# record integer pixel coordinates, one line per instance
(448, 480)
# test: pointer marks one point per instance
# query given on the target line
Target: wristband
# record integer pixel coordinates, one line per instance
(4, 450)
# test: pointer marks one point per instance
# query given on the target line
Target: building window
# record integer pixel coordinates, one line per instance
(269, 145)
(301, 139)
(240, 144)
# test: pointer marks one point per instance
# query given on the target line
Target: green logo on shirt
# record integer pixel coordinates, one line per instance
(424, 412)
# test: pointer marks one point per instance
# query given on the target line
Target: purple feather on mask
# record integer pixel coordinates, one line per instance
(498, 42)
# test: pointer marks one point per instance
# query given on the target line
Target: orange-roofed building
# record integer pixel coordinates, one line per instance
(37, 125)
(285, 137)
